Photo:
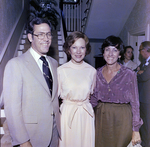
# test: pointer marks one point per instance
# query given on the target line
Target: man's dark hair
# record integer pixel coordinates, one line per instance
(113, 41)
(36, 21)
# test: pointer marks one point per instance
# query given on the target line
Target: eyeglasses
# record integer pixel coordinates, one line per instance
(141, 49)
(41, 36)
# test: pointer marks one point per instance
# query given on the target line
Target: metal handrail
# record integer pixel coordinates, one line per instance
(70, 2)
(76, 14)
(63, 19)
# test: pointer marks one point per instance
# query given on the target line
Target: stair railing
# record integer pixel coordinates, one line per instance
(75, 14)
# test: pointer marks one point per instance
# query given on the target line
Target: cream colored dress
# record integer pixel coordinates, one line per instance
(76, 83)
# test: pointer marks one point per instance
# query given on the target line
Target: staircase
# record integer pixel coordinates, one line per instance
(24, 44)
(2, 119)
(62, 55)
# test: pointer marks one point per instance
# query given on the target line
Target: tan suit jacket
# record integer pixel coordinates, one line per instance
(28, 103)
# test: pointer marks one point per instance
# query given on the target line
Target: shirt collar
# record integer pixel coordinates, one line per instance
(35, 55)
(148, 59)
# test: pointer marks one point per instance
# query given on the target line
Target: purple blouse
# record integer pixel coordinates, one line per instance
(121, 89)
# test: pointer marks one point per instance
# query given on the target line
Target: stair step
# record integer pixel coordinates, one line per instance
(59, 42)
(2, 113)
(60, 48)
(24, 36)
(25, 32)
(23, 41)
(58, 33)
(20, 52)
(21, 47)
(60, 37)
(61, 54)
(3, 118)
(2, 130)
(61, 60)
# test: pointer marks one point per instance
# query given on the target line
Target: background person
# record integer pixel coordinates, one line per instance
(32, 112)
(116, 101)
(128, 58)
(76, 80)
(143, 76)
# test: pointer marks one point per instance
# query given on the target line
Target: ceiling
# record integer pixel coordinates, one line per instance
(107, 17)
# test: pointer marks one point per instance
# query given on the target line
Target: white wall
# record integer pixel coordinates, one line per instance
(14, 16)
(138, 20)
(137, 26)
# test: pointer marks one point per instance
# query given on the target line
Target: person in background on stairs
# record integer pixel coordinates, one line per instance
(31, 107)
(76, 81)
(128, 58)
(115, 100)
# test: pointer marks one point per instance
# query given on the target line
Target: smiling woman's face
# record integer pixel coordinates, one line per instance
(111, 55)
(78, 51)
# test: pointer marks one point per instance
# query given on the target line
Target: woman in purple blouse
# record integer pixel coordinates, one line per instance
(116, 101)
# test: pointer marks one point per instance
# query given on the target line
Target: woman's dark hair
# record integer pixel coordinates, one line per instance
(36, 21)
(113, 41)
(70, 40)
(125, 49)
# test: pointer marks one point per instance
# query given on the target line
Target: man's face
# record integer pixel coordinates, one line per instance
(41, 46)
(143, 52)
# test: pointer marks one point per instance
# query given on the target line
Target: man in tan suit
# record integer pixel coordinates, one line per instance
(31, 109)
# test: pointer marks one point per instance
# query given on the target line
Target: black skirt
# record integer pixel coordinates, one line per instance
(113, 125)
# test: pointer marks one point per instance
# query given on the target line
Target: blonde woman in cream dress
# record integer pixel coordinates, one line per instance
(76, 81)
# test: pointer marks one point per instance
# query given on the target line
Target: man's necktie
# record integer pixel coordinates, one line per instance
(47, 74)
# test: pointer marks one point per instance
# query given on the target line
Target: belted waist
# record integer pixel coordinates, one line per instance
(76, 104)
(79, 103)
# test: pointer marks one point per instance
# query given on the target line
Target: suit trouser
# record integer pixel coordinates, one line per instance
(55, 136)
(145, 128)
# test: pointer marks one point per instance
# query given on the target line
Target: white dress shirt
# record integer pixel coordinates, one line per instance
(39, 62)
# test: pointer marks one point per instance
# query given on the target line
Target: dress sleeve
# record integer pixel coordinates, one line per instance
(94, 96)
(134, 66)
(94, 82)
(59, 81)
(137, 121)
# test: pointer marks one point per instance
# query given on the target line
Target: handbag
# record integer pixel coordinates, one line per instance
(137, 145)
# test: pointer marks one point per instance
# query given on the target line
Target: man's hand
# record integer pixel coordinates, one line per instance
(138, 68)
(140, 71)
(136, 139)
(26, 144)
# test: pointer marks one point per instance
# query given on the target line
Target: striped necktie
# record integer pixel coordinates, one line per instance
(47, 74)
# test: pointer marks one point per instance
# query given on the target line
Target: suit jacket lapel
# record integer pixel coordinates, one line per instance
(35, 70)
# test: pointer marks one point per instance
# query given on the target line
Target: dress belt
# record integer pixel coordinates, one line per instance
(75, 107)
